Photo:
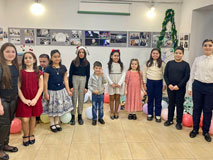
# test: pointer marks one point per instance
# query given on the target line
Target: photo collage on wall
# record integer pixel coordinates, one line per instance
(106, 38)
(68, 37)
(140, 39)
(184, 40)
(20, 36)
(58, 37)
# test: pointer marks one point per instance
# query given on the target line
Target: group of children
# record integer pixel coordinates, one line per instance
(61, 94)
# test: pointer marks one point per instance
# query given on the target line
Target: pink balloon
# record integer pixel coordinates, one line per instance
(15, 126)
(164, 114)
(211, 128)
(187, 120)
(145, 108)
(106, 98)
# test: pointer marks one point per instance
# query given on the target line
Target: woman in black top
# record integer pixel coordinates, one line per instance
(78, 81)
(8, 95)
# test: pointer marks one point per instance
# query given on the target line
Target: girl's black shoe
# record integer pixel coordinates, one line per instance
(134, 117)
(58, 127)
(32, 141)
(25, 143)
(53, 129)
(130, 116)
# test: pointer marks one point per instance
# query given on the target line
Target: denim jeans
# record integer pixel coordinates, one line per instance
(97, 104)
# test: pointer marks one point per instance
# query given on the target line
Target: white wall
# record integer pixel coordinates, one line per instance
(202, 22)
(2, 13)
(63, 15)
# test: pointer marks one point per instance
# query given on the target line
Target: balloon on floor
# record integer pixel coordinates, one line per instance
(201, 120)
(88, 112)
(86, 96)
(164, 114)
(187, 120)
(45, 118)
(145, 108)
(211, 128)
(164, 104)
(106, 98)
(15, 126)
(66, 117)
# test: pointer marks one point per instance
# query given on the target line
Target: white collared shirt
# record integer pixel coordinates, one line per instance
(202, 70)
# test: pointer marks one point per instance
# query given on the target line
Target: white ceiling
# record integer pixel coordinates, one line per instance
(137, 1)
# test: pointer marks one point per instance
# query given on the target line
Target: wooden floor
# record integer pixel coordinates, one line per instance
(120, 139)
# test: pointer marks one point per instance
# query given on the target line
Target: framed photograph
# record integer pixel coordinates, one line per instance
(15, 40)
(134, 35)
(60, 37)
(75, 42)
(29, 40)
(139, 39)
(45, 41)
(155, 36)
(29, 32)
(92, 42)
(14, 32)
(76, 34)
(1, 34)
(92, 34)
(104, 35)
(105, 42)
(184, 40)
(167, 42)
(43, 32)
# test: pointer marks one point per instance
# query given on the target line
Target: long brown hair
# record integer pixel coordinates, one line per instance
(6, 75)
(76, 61)
(35, 67)
(150, 61)
(119, 61)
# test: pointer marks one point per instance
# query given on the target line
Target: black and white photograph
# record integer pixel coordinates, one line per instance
(45, 41)
(167, 41)
(60, 37)
(14, 32)
(15, 40)
(155, 36)
(76, 34)
(43, 33)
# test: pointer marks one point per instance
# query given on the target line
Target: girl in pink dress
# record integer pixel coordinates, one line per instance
(134, 89)
(30, 87)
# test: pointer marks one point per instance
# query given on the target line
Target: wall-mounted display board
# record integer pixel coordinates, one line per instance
(139, 39)
(69, 37)
(21, 36)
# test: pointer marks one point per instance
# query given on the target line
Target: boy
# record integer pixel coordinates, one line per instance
(96, 86)
(176, 75)
(44, 61)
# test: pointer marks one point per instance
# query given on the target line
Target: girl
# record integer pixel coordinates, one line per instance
(201, 89)
(8, 95)
(116, 76)
(57, 100)
(133, 89)
(153, 83)
(78, 81)
(30, 88)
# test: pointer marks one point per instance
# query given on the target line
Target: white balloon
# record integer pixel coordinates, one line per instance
(89, 112)
(164, 104)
